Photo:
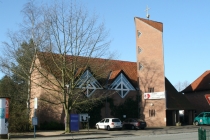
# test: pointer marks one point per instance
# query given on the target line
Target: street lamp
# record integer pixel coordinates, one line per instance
(67, 85)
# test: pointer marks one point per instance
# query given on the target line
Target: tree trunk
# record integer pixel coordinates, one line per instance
(67, 121)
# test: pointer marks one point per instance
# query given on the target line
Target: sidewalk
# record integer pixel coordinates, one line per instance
(94, 133)
(84, 133)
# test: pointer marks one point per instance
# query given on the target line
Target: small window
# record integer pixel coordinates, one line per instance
(140, 66)
(151, 89)
(152, 113)
(139, 50)
(138, 33)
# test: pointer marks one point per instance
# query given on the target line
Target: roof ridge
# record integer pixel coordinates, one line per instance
(157, 25)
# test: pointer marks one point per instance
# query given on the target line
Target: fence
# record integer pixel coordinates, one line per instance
(203, 134)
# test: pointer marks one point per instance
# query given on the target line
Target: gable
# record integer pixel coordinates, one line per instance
(154, 24)
(122, 85)
(200, 84)
(88, 83)
(176, 100)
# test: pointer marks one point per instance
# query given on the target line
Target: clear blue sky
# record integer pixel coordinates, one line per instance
(185, 34)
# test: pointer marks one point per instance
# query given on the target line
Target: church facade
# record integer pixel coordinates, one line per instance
(159, 101)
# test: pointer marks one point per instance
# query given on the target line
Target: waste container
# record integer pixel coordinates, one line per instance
(4, 116)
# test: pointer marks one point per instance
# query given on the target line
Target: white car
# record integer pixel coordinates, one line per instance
(109, 123)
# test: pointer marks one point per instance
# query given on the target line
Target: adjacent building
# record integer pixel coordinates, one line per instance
(198, 93)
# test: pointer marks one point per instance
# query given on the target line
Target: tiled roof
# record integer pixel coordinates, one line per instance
(155, 24)
(200, 84)
(113, 66)
(114, 74)
(176, 100)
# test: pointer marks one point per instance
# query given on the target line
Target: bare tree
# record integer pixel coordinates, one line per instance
(149, 77)
(181, 85)
(18, 53)
(73, 42)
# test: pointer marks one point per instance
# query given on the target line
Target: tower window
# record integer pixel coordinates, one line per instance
(138, 33)
(152, 113)
(140, 66)
(151, 89)
(139, 50)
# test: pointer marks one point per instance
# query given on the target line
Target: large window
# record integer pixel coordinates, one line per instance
(88, 83)
(122, 85)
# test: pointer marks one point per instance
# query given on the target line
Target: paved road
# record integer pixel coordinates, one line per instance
(179, 136)
(165, 133)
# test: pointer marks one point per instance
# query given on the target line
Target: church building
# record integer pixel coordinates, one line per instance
(159, 102)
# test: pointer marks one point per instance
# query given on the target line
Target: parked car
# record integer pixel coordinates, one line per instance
(109, 123)
(202, 118)
(132, 123)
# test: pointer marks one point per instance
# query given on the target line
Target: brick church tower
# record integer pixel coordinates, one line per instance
(150, 71)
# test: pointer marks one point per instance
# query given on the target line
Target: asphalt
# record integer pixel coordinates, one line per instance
(97, 134)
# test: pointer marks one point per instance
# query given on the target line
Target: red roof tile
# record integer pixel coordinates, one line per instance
(114, 74)
(201, 83)
(155, 24)
(114, 66)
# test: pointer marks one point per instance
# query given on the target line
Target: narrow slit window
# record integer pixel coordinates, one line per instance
(140, 66)
(139, 50)
(138, 33)
(152, 113)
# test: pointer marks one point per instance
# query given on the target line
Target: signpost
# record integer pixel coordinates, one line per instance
(74, 122)
(84, 118)
(154, 95)
(4, 116)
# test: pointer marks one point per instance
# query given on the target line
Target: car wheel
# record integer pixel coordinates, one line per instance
(108, 128)
(142, 128)
(196, 123)
(97, 127)
(132, 127)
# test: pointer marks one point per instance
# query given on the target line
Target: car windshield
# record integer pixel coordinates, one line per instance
(201, 115)
(115, 120)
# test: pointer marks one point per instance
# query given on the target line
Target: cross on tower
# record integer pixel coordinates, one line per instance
(147, 10)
